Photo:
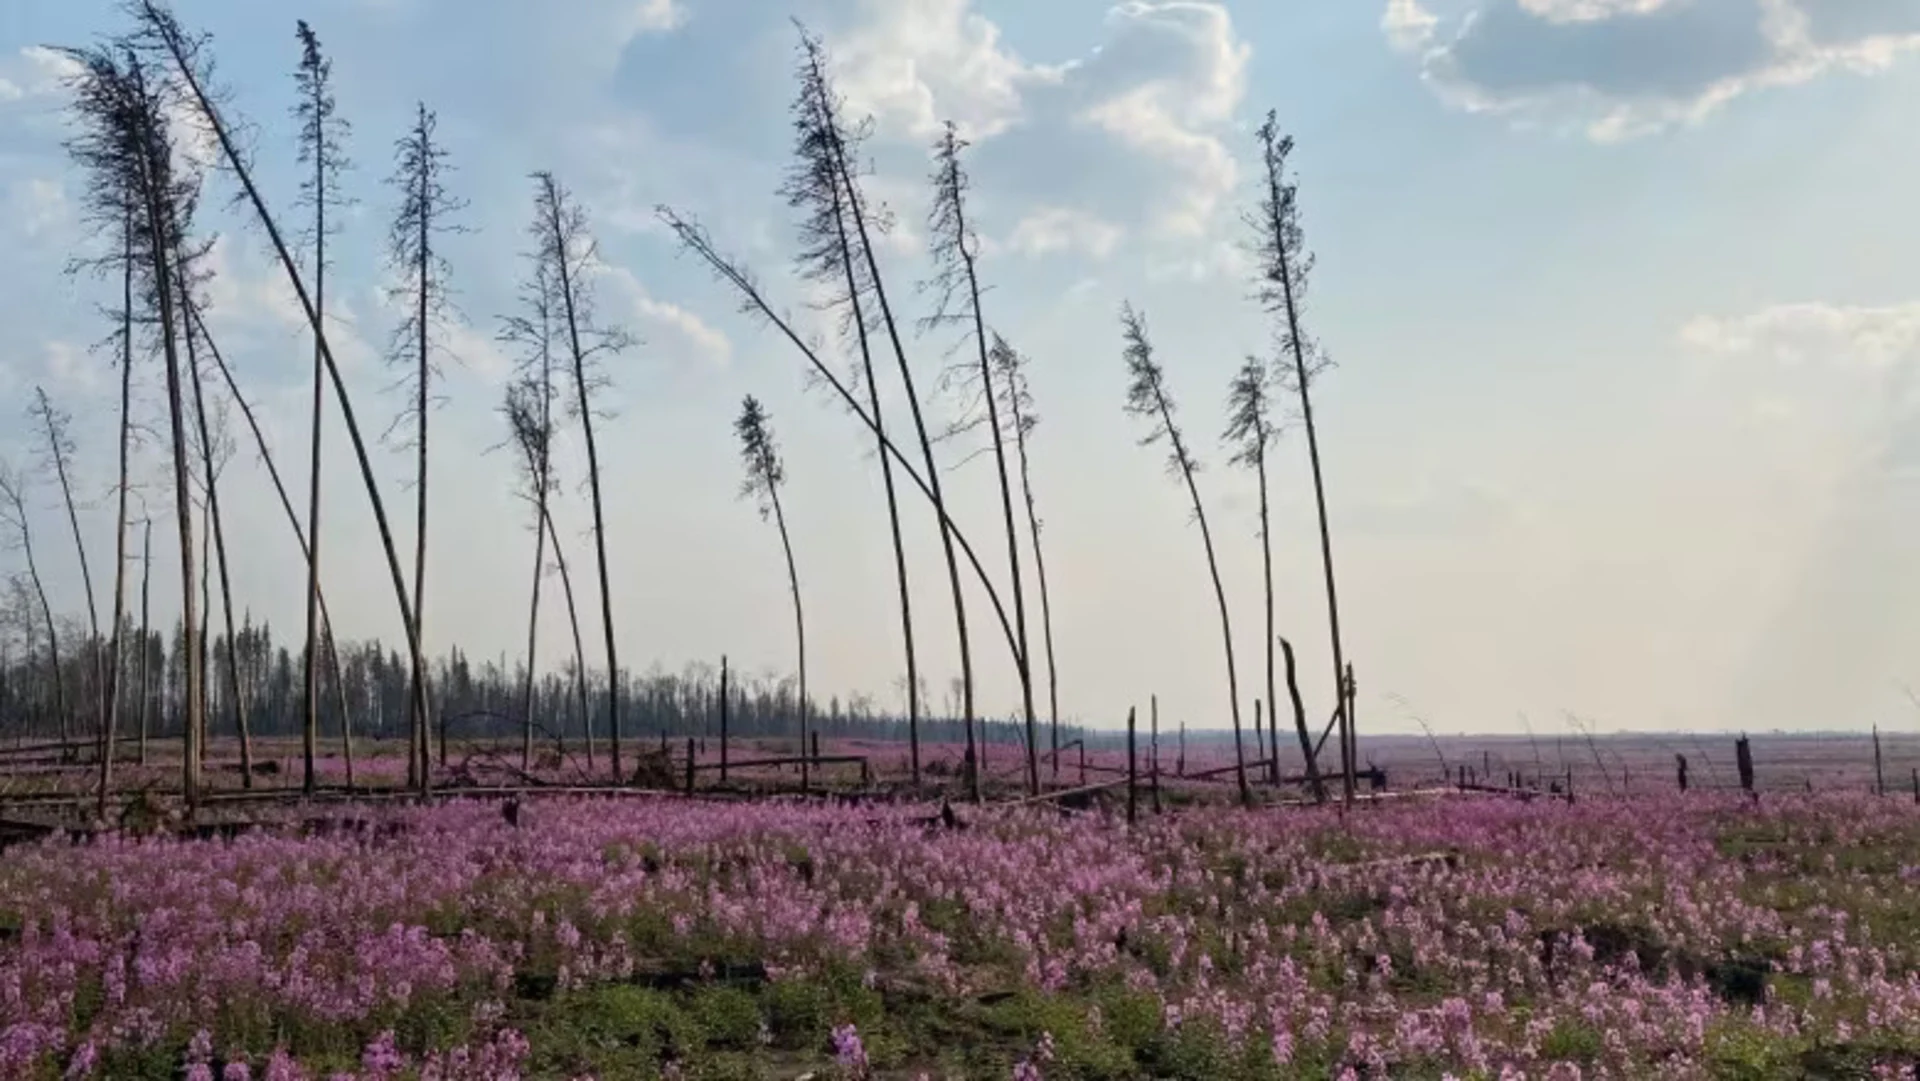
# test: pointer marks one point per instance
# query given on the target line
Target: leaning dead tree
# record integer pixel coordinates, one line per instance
(529, 412)
(1010, 366)
(293, 520)
(567, 248)
(13, 515)
(322, 131)
(1251, 434)
(755, 303)
(1285, 264)
(126, 144)
(162, 36)
(111, 213)
(215, 445)
(765, 474)
(826, 258)
(956, 285)
(58, 458)
(1149, 400)
(425, 213)
(827, 153)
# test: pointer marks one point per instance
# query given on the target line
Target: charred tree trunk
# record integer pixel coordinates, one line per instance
(184, 54)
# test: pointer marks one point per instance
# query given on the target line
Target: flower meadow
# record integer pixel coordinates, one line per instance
(1684, 937)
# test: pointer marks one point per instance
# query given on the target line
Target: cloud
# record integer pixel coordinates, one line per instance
(1618, 69)
(654, 17)
(1142, 119)
(1408, 26)
(667, 326)
(1861, 338)
(35, 72)
(918, 63)
(1056, 229)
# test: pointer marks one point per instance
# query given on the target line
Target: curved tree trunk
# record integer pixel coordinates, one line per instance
(799, 632)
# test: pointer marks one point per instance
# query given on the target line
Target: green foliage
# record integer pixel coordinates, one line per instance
(1572, 1041)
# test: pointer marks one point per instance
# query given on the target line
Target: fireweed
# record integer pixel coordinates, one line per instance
(1680, 937)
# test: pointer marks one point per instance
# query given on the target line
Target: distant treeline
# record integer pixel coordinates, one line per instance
(476, 698)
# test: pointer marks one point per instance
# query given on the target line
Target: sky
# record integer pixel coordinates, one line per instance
(1623, 298)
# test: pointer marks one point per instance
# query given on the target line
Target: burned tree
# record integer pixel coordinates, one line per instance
(1251, 433)
(58, 457)
(13, 515)
(957, 286)
(765, 473)
(426, 209)
(529, 413)
(827, 159)
(126, 147)
(293, 519)
(322, 131)
(1285, 264)
(754, 302)
(161, 35)
(1011, 368)
(1149, 400)
(567, 249)
(813, 187)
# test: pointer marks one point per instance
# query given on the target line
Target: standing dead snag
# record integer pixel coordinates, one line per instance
(955, 252)
(765, 473)
(529, 412)
(569, 251)
(293, 520)
(13, 514)
(162, 34)
(831, 147)
(755, 302)
(125, 144)
(216, 448)
(59, 458)
(146, 651)
(1148, 399)
(1011, 367)
(1284, 266)
(420, 167)
(813, 187)
(321, 133)
(1251, 433)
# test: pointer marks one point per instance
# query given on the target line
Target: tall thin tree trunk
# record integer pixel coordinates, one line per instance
(1040, 574)
(593, 483)
(579, 651)
(533, 627)
(1302, 377)
(799, 628)
(110, 723)
(146, 646)
(317, 596)
(161, 23)
(845, 170)
(1024, 660)
(53, 634)
(310, 674)
(236, 704)
(423, 267)
(56, 445)
(861, 336)
(159, 245)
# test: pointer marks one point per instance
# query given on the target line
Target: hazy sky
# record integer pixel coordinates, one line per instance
(1624, 296)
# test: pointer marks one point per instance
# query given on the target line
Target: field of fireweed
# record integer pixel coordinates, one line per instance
(1684, 937)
